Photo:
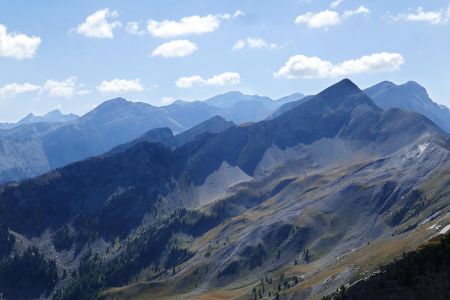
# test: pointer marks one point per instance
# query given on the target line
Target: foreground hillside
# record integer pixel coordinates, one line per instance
(294, 206)
(422, 274)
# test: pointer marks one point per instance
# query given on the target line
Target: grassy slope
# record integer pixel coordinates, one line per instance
(320, 276)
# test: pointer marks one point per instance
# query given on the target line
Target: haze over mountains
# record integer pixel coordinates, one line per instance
(410, 96)
(37, 146)
(293, 206)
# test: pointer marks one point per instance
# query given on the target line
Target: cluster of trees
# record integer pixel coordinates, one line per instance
(28, 275)
(271, 288)
(148, 249)
(6, 241)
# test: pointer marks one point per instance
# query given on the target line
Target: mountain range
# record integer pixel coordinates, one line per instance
(292, 206)
(37, 144)
(54, 116)
(408, 96)
(33, 146)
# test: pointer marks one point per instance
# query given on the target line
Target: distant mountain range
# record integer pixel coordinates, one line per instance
(166, 137)
(290, 207)
(38, 144)
(410, 96)
(54, 116)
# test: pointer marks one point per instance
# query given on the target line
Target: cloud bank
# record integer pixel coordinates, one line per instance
(227, 78)
(301, 66)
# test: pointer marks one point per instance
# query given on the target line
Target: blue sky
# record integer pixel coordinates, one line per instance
(73, 55)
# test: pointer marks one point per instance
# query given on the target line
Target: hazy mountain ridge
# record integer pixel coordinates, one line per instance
(112, 123)
(410, 96)
(54, 116)
(166, 137)
(297, 204)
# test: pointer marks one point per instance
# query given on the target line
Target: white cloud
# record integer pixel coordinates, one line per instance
(166, 100)
(441, 16)
(17, 45)
(328, 18)
(238, 13)
(65, 88)
(99, 25)
(178, 48)
(301, 66)
(227, 78)
(253, 42)
(323, 19)
(362, 10)
(239, 45)
(188, 25)
(336, 3)
(13, 89)
(120, 86)
(134, 28)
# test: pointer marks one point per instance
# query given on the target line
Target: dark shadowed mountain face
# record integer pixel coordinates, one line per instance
(409, 96)
(141, 173)
(326, 177)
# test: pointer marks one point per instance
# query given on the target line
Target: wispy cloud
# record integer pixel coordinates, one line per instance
(227, 78)
(254, 42)
(192, 25)
(134, 28)
(336, 3)
(419, 14)
(328, 18)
